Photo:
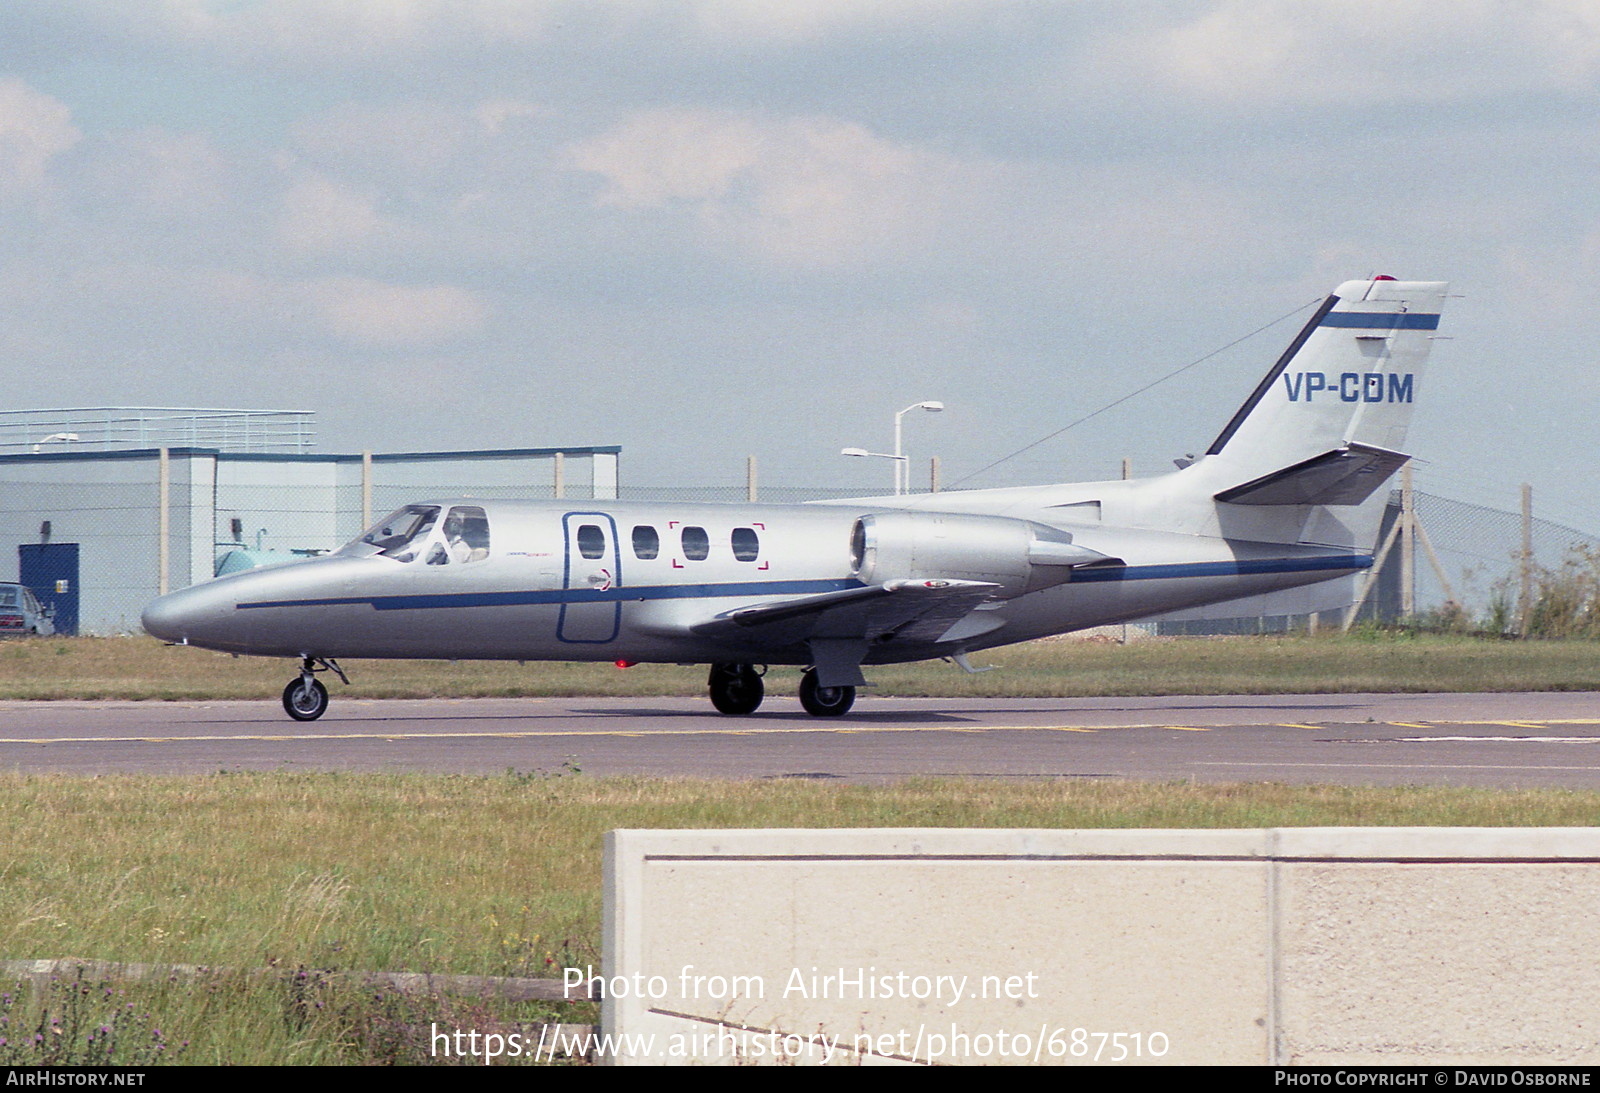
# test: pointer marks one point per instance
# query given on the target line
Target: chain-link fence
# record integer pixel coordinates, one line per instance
(105, 544)
(97, 536)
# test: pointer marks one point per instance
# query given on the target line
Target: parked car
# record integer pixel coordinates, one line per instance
(21, 612)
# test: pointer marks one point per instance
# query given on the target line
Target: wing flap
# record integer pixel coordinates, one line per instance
(911, 610)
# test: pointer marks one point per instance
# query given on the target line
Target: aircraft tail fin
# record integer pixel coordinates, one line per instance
(1327, 424)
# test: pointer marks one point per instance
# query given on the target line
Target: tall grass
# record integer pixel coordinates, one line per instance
(315, 877)
(141, 668)
(500, 875)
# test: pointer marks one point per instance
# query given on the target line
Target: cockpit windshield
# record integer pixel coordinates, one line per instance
(403, 532)
(417, 532)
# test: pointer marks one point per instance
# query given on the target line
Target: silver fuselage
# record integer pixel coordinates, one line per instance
(536, 596)
(1290, 494)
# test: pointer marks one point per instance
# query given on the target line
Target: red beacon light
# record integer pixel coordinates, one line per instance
(1382, 277)
(625, 663)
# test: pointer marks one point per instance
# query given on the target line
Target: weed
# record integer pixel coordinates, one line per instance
(76, 1022)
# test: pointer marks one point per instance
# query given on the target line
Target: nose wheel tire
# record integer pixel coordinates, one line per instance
(736, 689)
(824, 701)
(305, 699)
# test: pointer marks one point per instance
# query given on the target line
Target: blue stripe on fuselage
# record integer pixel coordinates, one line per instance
(1367, 320)
(572, 595)
(1181, 570)
(1092, 574)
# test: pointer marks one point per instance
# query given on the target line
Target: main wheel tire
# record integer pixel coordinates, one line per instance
(735, 689)
(305, 700)
(824, 701)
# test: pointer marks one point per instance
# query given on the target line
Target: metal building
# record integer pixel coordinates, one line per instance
(102, 510)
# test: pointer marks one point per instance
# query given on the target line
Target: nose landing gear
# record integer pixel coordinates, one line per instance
(305, 698)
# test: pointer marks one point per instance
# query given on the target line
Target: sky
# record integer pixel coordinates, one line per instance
(707, 229)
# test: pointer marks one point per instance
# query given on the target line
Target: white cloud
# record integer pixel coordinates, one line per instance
(807, 191)
(815, 18)
(378, 314)
(496, 114)
(355, 31)
(404, 141)
(321, 216)
(160, 175)
(1264, 52)
(34, 129)
(248, 308)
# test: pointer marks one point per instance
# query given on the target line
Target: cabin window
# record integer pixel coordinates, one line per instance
(696, 544)
(591, 541)
(745, 544)
(466, 534)
(646, 543)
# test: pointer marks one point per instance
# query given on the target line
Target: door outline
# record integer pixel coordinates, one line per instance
(581, 619)
(42, 566)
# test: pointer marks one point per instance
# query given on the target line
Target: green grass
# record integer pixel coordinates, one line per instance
(314, 874)
(141, 668)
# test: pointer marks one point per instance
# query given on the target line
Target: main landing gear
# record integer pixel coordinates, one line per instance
(305, 698)
(824, 701)
(735, 688)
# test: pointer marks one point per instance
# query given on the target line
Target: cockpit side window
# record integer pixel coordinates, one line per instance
(466, 534)
(403, 532)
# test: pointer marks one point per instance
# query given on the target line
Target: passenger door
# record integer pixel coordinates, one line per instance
(591, 606)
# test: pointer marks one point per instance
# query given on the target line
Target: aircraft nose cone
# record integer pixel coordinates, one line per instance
(164, 619)
(175, 617)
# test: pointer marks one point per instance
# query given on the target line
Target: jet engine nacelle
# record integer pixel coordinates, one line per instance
(1018, 555)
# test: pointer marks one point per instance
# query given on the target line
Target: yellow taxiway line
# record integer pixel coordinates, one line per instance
(841, 730)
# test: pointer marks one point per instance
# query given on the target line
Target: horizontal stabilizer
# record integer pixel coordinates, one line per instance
(920, 610)
(1344, 476)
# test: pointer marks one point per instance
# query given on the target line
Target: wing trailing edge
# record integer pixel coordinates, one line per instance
(911, 610)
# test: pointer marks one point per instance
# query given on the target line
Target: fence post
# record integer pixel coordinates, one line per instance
(559, 475)
(1408, 546)
(366, 488)
(1526, 561)
(750, 478)
(164, 520)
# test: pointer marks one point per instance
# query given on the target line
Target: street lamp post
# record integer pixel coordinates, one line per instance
(902, 469)
(56, 438)
(863, 453)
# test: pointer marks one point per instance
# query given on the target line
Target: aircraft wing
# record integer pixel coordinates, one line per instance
(907, 610)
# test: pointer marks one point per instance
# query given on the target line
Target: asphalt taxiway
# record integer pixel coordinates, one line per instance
(1528, 740)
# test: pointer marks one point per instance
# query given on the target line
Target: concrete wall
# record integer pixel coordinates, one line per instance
(1309, 946)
